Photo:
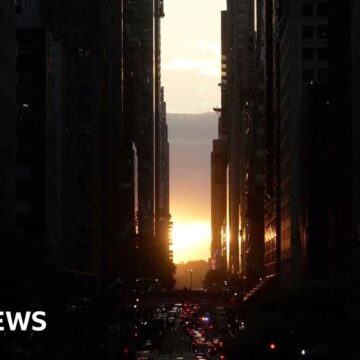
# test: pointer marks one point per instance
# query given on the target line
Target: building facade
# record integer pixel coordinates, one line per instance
(146, 109)
(8, 138)
(98, 181)
(238, 166)
(287, 78)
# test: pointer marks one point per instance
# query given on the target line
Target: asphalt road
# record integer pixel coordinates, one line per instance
(175, 344)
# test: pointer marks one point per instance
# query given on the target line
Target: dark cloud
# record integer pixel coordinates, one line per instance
(190, 137)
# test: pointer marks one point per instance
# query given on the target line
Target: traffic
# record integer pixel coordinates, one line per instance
(180, 331)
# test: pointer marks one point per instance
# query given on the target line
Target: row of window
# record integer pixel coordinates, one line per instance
(322, 53)
(309, 75)
(308, 9)
(18, 4)
(322, 31)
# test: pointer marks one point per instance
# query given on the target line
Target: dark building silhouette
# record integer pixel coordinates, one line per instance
(311, 155)
(139, 28)
(291, 166)
(219, 165)
(145, 108)
(84, 160)
(39, 131)
(163, 217)
(344, 116)
(8, 139)
(218, 205)
(355, 88)
(238, 156)
(268, 32)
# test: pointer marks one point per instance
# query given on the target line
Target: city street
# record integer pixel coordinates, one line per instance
(175, 345)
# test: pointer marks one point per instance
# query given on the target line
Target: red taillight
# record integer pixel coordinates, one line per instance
(126, 351)
(222, 357)
(221, 344)
(272, 346)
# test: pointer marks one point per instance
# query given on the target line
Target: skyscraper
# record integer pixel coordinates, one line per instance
(218, 204)
(98, 187)
(8, 140)
(241, 131)
(8, 137)
(145, 107)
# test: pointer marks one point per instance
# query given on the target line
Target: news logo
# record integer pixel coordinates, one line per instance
(17, 321)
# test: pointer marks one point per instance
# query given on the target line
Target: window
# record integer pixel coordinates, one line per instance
(322, 53)
(308, 53)
(308, 75)
(23, 189)
(322, 31)
(322, 75)
(322, 10)
(308, 32)
(84, 114)
(307, 9)
(18, 6)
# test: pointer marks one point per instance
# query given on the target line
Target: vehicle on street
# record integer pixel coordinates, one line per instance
(144, 355)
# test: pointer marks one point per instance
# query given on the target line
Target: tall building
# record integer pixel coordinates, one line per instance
(8, 139)
(218, 205)
(310, 205)
(242, 118)
(40, 93)
(291, 167)
(8, 142)
(140, 33)
(40, 134)
(162, 180)
(98, 186)
(219, 166)
(238, 157)
(303, 62)
(163, 217)
(267, 32)
(146, 109)
(343, 200)
(355, 31)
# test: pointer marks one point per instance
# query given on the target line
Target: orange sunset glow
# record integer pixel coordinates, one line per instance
(191, 241)
(191, 70)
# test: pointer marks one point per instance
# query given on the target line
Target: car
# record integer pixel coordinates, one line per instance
(217, 342)
(143, 355)
(212, 349)
(199, 341)
(194, 333)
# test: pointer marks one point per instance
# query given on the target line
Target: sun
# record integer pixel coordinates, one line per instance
(191, 241)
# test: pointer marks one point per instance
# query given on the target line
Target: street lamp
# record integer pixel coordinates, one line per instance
(191, 273)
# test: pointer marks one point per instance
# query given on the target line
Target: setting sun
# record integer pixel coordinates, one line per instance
(190, 240)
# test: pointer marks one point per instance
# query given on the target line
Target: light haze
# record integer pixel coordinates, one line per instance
(191, 55)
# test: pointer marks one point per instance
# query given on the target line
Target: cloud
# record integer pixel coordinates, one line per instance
(190, 139)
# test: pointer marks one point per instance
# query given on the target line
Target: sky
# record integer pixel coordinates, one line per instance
(190, 137)
(191, 54)
(191, 72)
